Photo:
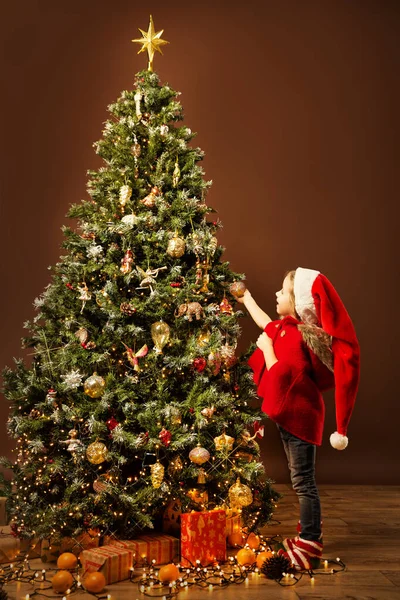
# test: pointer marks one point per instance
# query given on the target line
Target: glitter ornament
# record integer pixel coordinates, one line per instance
(164, 130)
(245, 557)
(228, 356)
(94, 386)
(127, 308)
(136, 150)
(127, 262)
(175, 466)
(199, 364)
(176, 247)
(62, 581)
(160, 333)
(157, 474)
(82, 334)
(125, 193)
(176, 174)
(72, 380)
(214, 362)
(225, 307)
(224, 442)
(237, 289)
(203, 338)
(240, 495)
(165, 436)
(199, 455)
(112, 423)
(96, 453)
(130, 220)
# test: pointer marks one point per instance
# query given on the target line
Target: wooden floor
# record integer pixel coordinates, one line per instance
(361, 526)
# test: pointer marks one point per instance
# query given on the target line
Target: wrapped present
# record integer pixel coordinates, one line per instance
(115, 562)
(52, 548)
(3, 514)
(159, 547)
(203, 537)
(233, 524)
(12, 547)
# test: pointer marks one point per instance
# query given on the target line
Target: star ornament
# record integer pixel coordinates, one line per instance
(151, 41)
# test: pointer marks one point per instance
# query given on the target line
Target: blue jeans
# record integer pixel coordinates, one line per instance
(301, 461)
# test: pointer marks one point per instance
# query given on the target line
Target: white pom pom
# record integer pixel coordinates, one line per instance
(339, 441)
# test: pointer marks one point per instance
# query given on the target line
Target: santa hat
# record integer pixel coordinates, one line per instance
(318, 303)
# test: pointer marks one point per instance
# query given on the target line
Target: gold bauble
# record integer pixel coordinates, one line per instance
(204, 337)
(94, 386)
(125, 192)
(96, 453)
(160, 332)
(224, 442)
(199, 455)
(157, 474)
(176, 247)
(240, 494)
(237, 289)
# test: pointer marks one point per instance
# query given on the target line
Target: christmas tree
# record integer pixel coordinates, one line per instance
(135, 399)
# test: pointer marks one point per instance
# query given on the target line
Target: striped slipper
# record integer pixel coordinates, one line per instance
(304, 554)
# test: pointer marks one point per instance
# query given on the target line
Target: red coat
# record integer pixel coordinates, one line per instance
(291, 388)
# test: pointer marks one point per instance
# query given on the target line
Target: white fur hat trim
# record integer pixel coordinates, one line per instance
(304, 302)
(339, 441)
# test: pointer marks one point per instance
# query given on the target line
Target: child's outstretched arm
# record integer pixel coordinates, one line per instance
(259, 316)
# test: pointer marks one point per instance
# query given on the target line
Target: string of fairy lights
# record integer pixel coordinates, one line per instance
(150, 582)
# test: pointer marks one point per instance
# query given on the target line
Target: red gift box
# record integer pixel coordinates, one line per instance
(203, 537)
(114, 562)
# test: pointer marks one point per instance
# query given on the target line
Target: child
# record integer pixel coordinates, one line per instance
(311, 348)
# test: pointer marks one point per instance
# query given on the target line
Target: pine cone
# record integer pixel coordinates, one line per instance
(127, 309)
(274, 567)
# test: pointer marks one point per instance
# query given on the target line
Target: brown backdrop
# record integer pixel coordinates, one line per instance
(296, 106)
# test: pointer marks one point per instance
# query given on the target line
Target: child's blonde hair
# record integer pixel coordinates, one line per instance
(290, 275)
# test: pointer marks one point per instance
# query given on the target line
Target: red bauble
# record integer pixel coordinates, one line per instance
(199, 364)
(69, 286)
(165, 436)
(175, 284)
(112, 423)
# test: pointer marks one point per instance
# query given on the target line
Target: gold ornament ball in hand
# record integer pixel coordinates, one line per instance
(238, 289)
(96, 453)
(94, 386)
(176, 247)
(240, 494)
(160, 332)
(199, 455)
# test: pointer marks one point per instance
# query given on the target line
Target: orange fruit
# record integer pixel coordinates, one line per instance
(67, 560)
(168, 573)
(245, 556)
(62, 581)
(253, 541)
(94, 582)
(262, 557)
(236, 539)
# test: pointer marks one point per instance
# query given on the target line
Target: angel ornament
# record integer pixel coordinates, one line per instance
(74, 445)
(85, 295)
(147, 278)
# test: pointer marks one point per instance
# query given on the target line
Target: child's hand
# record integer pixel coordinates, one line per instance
(264, 342)
(242, 299)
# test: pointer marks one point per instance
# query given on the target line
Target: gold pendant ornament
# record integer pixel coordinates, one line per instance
(176, 174)
(240, 495)
(157, 474)
(224, 442)
(94, 386)
(96, 453)
(199, 455)
(176, 246)
(160, 333)
(125, 193)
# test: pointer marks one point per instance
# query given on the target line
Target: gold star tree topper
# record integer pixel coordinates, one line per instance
(151, 41)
